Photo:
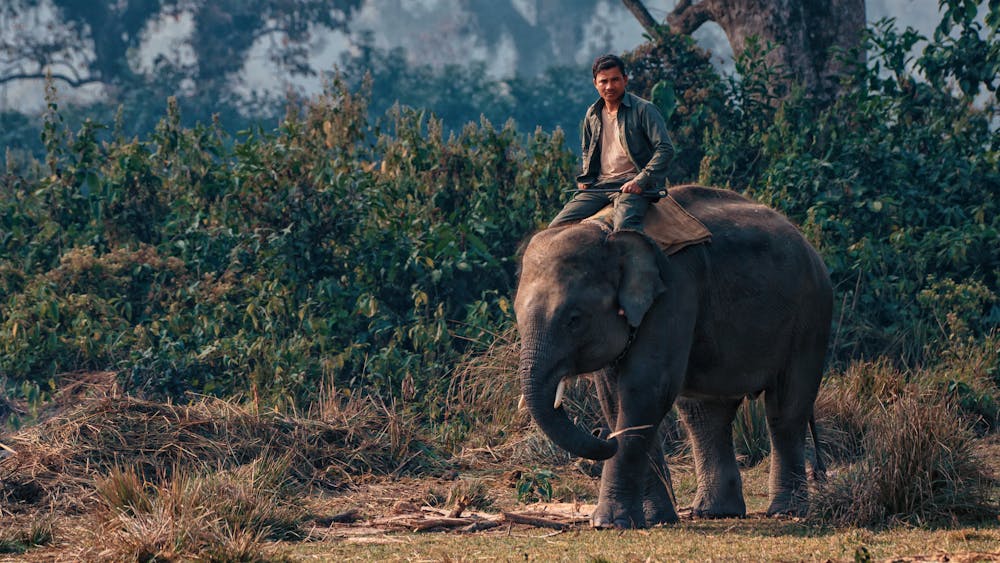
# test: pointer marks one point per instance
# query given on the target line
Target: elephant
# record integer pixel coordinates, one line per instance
(747, 313)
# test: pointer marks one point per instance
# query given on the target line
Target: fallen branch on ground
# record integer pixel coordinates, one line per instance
(547, 521)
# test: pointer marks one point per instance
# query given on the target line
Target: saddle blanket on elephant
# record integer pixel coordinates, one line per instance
(666, 223)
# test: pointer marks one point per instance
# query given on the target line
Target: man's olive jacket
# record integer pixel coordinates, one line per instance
(643, 133)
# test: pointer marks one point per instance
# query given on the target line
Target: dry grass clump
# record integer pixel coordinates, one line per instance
(210, 481)
(750, 436)
(214, 516)
(917, 461)
(847, 401)
(470, 492)
(486, 389)
(57, 460)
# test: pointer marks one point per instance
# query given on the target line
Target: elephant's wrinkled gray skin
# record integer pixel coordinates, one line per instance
(747, 313)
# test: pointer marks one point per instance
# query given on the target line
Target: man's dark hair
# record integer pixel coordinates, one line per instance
(604, 62)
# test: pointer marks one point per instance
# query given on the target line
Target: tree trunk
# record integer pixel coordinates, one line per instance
(807, 34)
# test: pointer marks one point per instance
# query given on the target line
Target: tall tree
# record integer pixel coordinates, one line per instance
(811, 38)
(93, 41)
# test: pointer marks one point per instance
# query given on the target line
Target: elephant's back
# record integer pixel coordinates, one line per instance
(743, 230)
(734, 218)
(721, 209)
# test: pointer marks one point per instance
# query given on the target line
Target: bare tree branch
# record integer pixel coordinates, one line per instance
(271, 30)
(688, 17)
(74, 82)
(640, 12)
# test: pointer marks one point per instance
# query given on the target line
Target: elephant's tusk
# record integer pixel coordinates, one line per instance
(560, 393)
(521, 403)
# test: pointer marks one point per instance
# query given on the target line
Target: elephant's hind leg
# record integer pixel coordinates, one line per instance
(788, 489)
(720, 488)
(789, 408)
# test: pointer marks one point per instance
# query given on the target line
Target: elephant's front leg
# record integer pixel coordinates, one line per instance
(625, 479)
(658, 502)
(657, 495)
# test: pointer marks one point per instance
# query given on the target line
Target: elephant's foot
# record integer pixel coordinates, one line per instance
(731, 506)
(657, 513)
(616, 515)
(789, 504)
(781, 509)
(657, 504)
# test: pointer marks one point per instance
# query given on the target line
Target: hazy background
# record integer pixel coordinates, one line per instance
(432, 32)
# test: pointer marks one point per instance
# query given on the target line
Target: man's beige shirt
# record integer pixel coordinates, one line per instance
(615, 164)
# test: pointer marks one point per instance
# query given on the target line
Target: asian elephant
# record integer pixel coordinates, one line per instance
(744, 314)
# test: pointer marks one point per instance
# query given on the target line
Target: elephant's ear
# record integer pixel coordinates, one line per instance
(640, 282)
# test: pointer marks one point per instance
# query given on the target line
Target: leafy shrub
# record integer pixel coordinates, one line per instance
(888, 182)
(535, 486)
(332, 246)
(678, 76)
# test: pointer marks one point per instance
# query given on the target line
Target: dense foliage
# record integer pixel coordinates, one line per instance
(366, 253)
(324, 249)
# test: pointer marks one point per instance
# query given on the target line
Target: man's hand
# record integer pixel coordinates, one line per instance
(581, 186)
(631, 187)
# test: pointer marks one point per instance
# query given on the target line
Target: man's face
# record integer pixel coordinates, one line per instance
(610, 84)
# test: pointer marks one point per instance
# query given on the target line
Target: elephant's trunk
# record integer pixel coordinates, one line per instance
(539, 380)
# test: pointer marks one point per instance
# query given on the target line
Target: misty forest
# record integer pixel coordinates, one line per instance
(258, 265)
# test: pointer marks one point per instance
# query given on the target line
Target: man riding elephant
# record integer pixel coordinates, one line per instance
(626, 151)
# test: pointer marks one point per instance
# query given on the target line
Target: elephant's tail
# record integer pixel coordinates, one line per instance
(819, 469)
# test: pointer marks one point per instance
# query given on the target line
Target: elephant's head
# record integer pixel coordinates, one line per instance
(578, 294)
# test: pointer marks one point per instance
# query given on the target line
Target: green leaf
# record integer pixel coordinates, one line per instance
(664, 97)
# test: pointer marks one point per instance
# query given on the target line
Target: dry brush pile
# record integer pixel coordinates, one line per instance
(912, 445)
(210, 478)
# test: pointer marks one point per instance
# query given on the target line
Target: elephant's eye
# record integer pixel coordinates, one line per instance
(573, 321)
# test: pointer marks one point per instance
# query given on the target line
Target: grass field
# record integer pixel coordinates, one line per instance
(720, 540)
(756, 538)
